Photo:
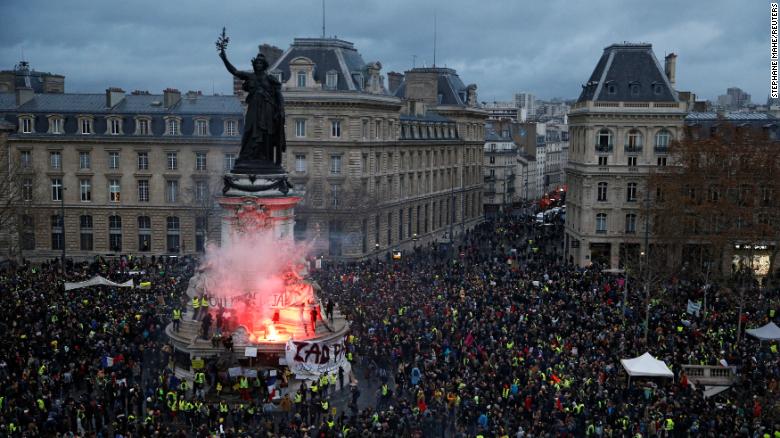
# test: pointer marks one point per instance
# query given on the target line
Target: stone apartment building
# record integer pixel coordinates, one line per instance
(500, 171)
(383, 167)
(132, 173)
(620, 129)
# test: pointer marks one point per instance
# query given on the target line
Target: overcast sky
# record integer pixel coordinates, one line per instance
(504, 46)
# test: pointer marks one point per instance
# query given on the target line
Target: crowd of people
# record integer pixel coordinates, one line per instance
(496, 337)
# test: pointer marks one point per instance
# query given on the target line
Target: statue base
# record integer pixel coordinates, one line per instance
(257, 167)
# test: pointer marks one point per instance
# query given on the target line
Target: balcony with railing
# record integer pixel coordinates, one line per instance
(661, 149)
(604, 148)
(632, 149)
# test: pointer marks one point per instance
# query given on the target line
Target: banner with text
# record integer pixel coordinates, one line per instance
(315, 357)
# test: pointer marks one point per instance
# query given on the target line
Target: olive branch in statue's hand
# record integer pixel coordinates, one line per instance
(222, 42)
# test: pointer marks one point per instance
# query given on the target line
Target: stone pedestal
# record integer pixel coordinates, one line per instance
(250, 203)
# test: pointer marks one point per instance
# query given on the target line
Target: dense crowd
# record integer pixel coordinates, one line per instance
(493, 338)
(504, 340)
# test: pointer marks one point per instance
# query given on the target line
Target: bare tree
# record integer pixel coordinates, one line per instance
(11, 197)
(717, 196)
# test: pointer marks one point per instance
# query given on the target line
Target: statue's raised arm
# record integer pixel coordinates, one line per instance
(222, 43)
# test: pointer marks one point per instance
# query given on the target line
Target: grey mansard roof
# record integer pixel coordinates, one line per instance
(622, 65)
(450, 87)
(327, 54)
(131, 104)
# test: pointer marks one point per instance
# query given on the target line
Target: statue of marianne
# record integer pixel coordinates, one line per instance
(263, 140)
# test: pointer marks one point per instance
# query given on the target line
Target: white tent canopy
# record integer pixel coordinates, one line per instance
(769, 332)
(97, 281)
(646, 365)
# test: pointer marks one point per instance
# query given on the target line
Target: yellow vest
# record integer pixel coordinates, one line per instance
(204, 302)
(176, 314)
(195, 303)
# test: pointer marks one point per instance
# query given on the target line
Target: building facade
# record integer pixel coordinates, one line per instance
(117, 173)
(620, 129)
(382, 167)
(500, 171)
(526, 101)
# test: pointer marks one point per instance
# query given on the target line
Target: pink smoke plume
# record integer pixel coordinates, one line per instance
(257, 278)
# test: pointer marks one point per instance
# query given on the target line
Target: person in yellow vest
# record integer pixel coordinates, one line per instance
(219, 389)
(243, 386)
(669, 426)
(176, 319)
(204, 304)
(195, 308)
(315, 389)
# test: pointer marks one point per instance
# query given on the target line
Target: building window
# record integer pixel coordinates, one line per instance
(300, 127)
(143, 161)
(301, 75)
(113, 190)
(335, 128)
(602, 192)
(201, 191)
(55, 125)
(631, 161)
(661, 161)
(662, 140)
(631, 192)
(200, 161)
(611, 88)
(57, 236)
(364, 131)
(86, 126)
(116, 126)
(601, 223)
(335, 164)
(55, 159)
(335, 190)
(400, 224)
(171, 190)
(85, 190)
(84, 160)
(25, 159)
(604, 141)
(389, 229)
(143, 190)
(28, 232)
(56, 189)
(300, 163)
(115, 233)
(27, 189)
(634, 89)
(631, 223)
(113, 160)
(231, 128)
(331, 80)
(27, 125)
(634, 141)
(85, 222)
(334, 238)
(378, 129)
(173, 161)
(144, 234)
(172, 126)
(376, 231)
(142, 127)
(201, 127)
(172, 239)
(229, 162)
(201, 230)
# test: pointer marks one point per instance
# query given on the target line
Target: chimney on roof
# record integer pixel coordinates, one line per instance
(394, 80)
(114, 95)
(670, 67)
(24, 95)
(171, 97)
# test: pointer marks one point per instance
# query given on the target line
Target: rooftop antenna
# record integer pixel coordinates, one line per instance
(323, 19)
(434, 39)
(414, 61)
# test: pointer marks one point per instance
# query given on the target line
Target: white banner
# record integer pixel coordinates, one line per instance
(315, 357)
(693, 308)
(97, 281)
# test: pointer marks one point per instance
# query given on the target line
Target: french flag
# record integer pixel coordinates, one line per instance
(108, 361)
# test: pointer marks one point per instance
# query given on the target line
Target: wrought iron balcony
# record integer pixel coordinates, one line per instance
(604, 148)
(661, 149)
(633, 149)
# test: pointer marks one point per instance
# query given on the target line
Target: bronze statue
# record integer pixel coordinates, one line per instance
(263, 140)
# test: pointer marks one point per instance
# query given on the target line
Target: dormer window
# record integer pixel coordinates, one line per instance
(143, 126)
(85, 124)
(277, 76)
(55, 125)
(26, 124)
(172, 126)
(634, 88)
(231, 128)
(657, 89)
(358, 78)
(331, 80)
(201, 127)
(114, 126)
(611, 88)
(301, 79)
